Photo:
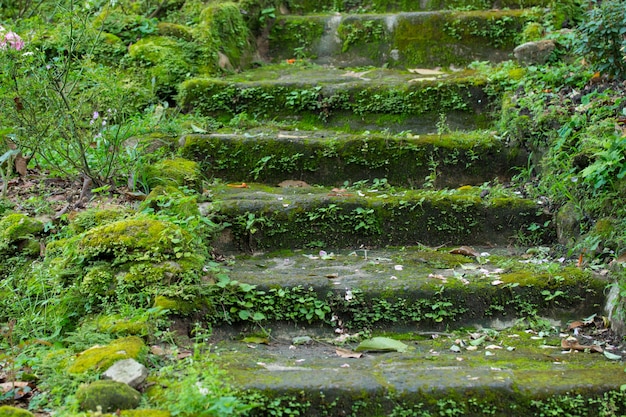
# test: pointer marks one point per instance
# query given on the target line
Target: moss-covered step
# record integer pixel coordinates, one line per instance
(424, 39)
(509, 373)
(380, 6)
(331, 158)
(265, 217)
(416, 288)
(372, 98)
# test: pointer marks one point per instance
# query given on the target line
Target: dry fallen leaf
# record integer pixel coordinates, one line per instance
(293, 183)
(465, 251)
(345, 353)
(575, 324)
(572, 343)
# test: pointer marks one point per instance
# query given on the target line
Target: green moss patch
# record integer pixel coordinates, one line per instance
(99, 358)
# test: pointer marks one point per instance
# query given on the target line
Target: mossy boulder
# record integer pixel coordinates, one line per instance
(108, 396)
(17, 233)
(8, 411)
(175, 172)
(134, 239)
(101, 357)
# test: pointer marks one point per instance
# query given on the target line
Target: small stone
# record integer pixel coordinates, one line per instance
(531, 53)
(128, 371)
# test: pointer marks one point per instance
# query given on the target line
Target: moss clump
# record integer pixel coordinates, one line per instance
(99, 358)
(122, 325)
(174, 305)
(177, 172)
(90, 218)
(8, 411)
(17, 233)
(107, 395)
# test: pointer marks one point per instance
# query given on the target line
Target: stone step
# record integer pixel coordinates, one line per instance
(405, 40)
(525, 375)
(463, 319)
(415, 288)
(332, 158)
(320, 97)
(377, 6)
(265, 217)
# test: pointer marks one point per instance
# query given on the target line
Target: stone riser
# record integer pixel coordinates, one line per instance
(327, 158)
(271, 218)
(405, 40)
(383, 99)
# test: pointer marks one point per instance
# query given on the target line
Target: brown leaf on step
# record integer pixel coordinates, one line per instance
(572, 343)
(345, 353)
(575, 324)
(465, 251)
(20, 164)
(339, 192)
(242, 185)
(293, 183)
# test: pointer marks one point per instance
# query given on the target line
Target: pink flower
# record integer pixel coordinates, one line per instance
(12, 39)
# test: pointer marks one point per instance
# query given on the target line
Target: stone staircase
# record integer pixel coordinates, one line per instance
(373, 195)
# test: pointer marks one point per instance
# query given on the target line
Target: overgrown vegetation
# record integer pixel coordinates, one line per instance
(101, 92)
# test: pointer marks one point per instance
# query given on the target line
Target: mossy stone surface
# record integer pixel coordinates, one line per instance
(99, 358)
(8, 411)
(107, 395)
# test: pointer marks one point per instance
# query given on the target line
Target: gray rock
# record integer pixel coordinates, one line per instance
(128, 371)
(534, 52)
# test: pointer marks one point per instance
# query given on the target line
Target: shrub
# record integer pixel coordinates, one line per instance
(603, 39)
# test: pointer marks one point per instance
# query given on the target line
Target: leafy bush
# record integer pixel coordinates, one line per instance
(603, 38)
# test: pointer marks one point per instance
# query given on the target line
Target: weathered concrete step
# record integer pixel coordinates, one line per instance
(417, 288)
(332, 158)
(319, 96)
(423, 39)
(513, 374)
(361, 6)
(265, 217)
